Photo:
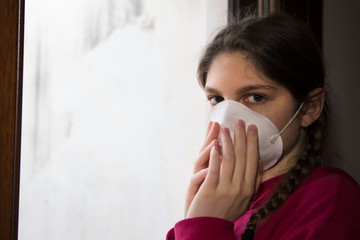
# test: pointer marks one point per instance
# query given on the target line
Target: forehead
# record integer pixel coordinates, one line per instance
(234, 70)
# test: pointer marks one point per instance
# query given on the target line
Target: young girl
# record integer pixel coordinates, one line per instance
(272, 68)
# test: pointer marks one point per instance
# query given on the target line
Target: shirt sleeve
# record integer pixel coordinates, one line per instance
(199, 228)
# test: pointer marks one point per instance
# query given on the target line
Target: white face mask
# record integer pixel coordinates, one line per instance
(270, 142)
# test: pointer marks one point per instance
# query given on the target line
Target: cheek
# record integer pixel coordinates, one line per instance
(282, 114)
(279, 119)
(291, 136)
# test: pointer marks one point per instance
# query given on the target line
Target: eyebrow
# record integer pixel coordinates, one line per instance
(243, 90)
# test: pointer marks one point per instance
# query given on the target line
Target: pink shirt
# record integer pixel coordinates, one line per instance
(325, 206)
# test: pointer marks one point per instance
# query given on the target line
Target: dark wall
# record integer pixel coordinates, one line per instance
(341, 44)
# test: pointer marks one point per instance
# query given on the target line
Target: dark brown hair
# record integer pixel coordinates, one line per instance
(284, 50)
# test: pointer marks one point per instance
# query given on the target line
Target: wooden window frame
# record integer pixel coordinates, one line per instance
(11, 69)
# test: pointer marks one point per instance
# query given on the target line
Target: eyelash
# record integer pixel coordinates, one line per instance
(262, 97)
(255, 95)
(210, 98)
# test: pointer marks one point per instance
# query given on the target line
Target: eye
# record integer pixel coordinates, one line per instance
(254, 98)
(215, 100)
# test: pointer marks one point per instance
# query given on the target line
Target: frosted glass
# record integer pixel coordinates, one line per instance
(113, 116)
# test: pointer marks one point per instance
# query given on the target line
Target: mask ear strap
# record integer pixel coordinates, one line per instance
(274, 138)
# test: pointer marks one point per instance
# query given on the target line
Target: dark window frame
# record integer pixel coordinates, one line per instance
(11, 65)
(309, 11)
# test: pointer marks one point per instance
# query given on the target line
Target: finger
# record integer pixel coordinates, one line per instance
(203, 160)
(228, 156)
(208, 128)
(240, 151)
(195, 183)
(252, 154)
(212, 178)
(212, 135)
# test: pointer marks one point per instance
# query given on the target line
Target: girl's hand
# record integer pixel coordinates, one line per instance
(201, 163)
(203, 160)
(231, 179)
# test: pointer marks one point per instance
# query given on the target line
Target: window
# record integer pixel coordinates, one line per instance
(113, 116)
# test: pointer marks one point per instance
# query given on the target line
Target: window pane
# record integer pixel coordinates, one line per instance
(113, 116)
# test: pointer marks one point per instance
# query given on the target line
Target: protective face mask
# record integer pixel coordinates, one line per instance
(270, 142)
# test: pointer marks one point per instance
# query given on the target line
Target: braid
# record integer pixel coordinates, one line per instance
(310, 159)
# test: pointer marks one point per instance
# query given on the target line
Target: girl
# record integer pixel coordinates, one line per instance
(273, 69)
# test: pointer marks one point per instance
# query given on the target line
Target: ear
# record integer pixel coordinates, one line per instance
(313, 107)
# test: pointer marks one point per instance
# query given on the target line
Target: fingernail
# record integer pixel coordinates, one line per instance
(226, 131)
(240, 123)
(210, 125)
(215, 148)
(252, 129)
